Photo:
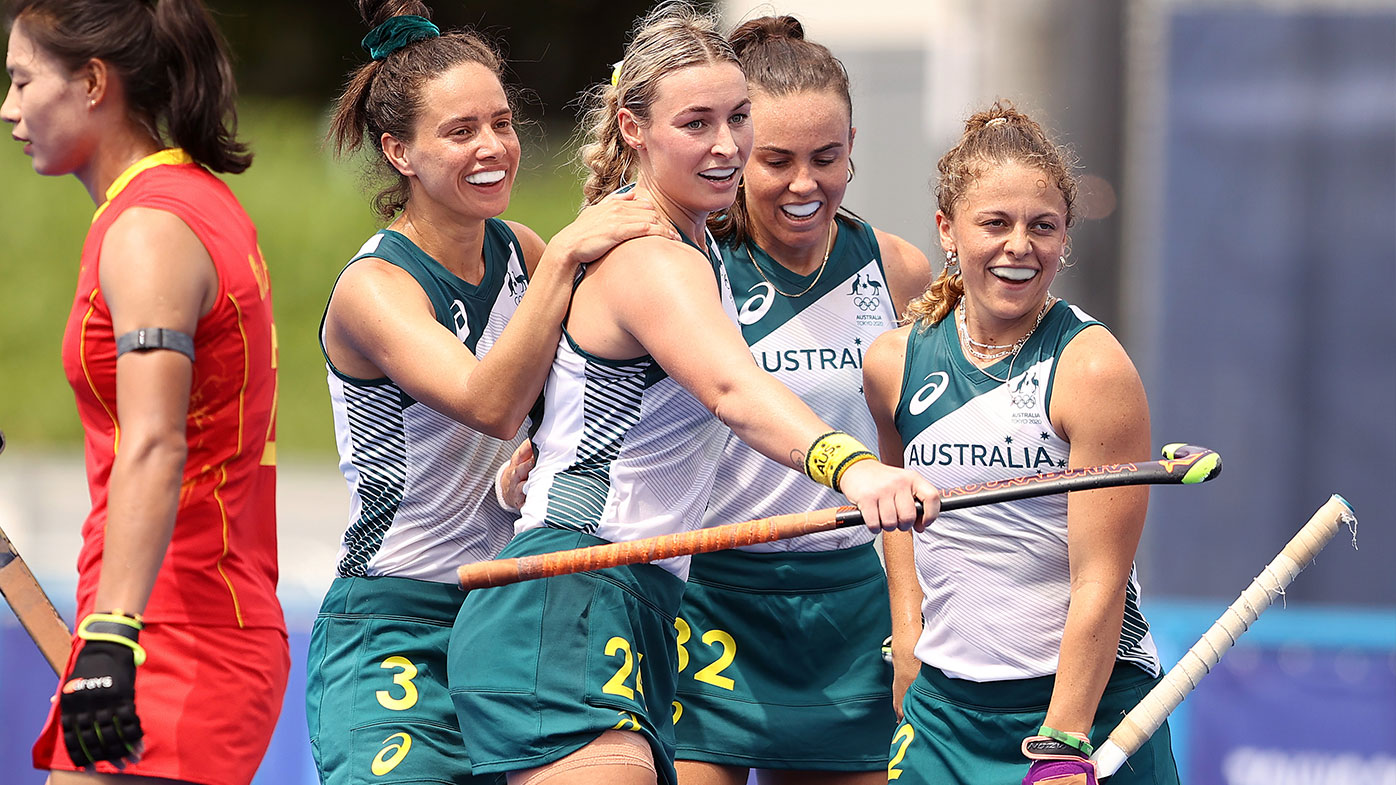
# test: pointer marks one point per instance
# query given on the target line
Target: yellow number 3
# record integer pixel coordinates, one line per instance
(390, 756)
(403, 680)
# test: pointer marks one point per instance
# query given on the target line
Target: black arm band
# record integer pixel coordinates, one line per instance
(149, 338)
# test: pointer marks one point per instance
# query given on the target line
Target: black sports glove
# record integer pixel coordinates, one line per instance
(97, 706)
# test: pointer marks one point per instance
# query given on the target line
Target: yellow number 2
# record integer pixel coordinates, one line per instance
(616, 684)
(711, 674)
(904, 734)
(403, 680)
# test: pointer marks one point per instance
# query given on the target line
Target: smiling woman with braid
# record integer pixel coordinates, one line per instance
(1033, 644)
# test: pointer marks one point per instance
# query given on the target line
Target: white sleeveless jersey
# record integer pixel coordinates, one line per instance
(421, 485)
(995, 578)
(814, 345)
(623, 451)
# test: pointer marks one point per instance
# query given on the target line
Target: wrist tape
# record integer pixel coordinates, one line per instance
(1052, 744)
(114, 627)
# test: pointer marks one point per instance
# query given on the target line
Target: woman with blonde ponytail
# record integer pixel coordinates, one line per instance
(814, 286)
(571, 679)
(171, 352)
(1033, 645)
(437, 337)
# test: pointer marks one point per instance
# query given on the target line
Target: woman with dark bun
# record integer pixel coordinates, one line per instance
(571, 679)
(1033, 645)
(785, 670)
(171, 351)
(438, 336)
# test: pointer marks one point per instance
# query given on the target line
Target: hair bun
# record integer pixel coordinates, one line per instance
(1001, 112)
(766, 28)
(376, 12)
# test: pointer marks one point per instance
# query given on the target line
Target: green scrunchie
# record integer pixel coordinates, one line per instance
(396, 33)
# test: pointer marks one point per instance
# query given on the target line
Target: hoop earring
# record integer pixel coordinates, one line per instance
(1061, 263)
(850, 171)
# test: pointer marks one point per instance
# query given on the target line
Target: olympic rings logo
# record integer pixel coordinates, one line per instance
(867, 303)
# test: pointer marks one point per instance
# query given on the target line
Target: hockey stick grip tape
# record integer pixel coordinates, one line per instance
(1144, 719)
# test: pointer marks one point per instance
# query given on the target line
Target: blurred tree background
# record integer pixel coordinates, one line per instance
(312, 212)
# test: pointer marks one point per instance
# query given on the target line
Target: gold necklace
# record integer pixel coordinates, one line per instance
(828, 247)
(1016, 346)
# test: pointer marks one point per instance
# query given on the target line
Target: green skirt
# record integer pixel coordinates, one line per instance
(780, 661)
(960, 732)
(539, 669)
(376, 697)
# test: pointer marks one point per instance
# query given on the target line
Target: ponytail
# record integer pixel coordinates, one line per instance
(384, 96)
(200, 109)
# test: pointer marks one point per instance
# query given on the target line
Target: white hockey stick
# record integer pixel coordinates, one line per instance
(1144, 719)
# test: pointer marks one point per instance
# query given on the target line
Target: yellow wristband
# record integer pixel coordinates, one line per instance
(831, 455)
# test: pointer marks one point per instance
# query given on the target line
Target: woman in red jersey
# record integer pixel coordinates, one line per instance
(180, 659)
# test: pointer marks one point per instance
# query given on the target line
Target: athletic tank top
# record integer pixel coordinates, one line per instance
(421, 484)
(623, 450)
(995, 578)
(220, 567)
(814, 345)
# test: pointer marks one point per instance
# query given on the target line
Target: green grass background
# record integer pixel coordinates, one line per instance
(312, 212)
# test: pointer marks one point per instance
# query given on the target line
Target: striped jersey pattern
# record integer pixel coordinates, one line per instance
(996, 578)
(421, 484)
(623, 451)
(814, 345)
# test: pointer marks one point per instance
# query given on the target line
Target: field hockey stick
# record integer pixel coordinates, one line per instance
(31, 605)
(1184, 464)
(1141, 722)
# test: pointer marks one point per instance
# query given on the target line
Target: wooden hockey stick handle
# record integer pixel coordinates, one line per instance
(33, 608)
(1184, 464)
(523, 568)
(1141, 722)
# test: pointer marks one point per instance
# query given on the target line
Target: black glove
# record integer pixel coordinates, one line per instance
(97, 706)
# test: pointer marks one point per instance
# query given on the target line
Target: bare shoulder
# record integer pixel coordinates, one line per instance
(908, 270)
(1094, 361)
(649, 256)
(883, 365)
(375, 286)
(149, 255)
(889, 347)
(152, 237)
(1098, 400)
(532, 244)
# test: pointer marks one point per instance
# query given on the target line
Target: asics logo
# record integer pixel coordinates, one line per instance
(935, 386)
(80, 684)
(391, 755)
(758, 304)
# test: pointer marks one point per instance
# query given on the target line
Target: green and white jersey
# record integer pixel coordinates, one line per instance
(813, 344)
(996, 577)
(421, 484)
(623, 451)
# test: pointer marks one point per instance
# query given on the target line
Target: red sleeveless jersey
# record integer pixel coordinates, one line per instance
(220, 568)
